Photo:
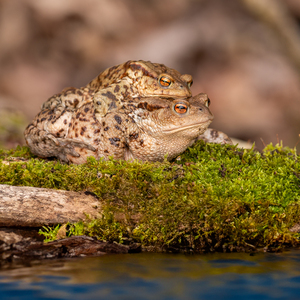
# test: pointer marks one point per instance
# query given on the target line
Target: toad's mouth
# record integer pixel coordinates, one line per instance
(169, 94)
(183, 128)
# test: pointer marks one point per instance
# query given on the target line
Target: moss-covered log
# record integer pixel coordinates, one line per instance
(212, 198)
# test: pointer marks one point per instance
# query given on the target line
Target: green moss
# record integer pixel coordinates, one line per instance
(19, 152)
(211, 198)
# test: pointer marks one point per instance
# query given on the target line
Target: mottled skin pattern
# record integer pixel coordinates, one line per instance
(214, 136)
(149, 129)
(118, 85)
(122, 83)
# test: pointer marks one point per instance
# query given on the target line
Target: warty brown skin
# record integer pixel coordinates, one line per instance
(122, 83)
(148, 130)
(118, 85)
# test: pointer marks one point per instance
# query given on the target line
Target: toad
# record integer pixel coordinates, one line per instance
(149, 129)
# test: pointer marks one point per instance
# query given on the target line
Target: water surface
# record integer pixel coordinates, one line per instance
(157, 276)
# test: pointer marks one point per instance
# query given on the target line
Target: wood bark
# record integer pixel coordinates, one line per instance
(26, 250)
(35, 207)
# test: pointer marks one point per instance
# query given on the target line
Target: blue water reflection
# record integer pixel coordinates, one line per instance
(157, 276)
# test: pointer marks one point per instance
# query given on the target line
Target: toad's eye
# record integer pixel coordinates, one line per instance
(207, 102)
(190, 83)
(180, 108)
(164, 81)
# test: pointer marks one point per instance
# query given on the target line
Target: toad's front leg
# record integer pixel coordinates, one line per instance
(215, 136)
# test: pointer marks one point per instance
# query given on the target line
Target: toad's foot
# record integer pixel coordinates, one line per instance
(45, 144)
(215, 136)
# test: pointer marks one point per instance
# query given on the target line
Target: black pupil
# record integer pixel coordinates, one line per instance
(181, 108)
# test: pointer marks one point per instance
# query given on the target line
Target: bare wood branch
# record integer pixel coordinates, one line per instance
(35, 207)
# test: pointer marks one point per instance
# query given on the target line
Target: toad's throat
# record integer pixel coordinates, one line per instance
(183, 128)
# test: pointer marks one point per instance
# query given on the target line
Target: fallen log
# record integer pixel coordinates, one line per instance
(22, 206)
(76, 246)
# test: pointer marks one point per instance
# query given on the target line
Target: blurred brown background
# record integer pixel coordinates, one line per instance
(245, 54)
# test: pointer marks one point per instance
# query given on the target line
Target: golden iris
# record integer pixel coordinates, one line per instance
(180, 108)
(165, 81)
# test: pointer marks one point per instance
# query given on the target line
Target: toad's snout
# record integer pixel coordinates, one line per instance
(206, 112)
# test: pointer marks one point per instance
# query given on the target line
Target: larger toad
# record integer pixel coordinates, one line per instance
(149, 129)
(124, 83)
